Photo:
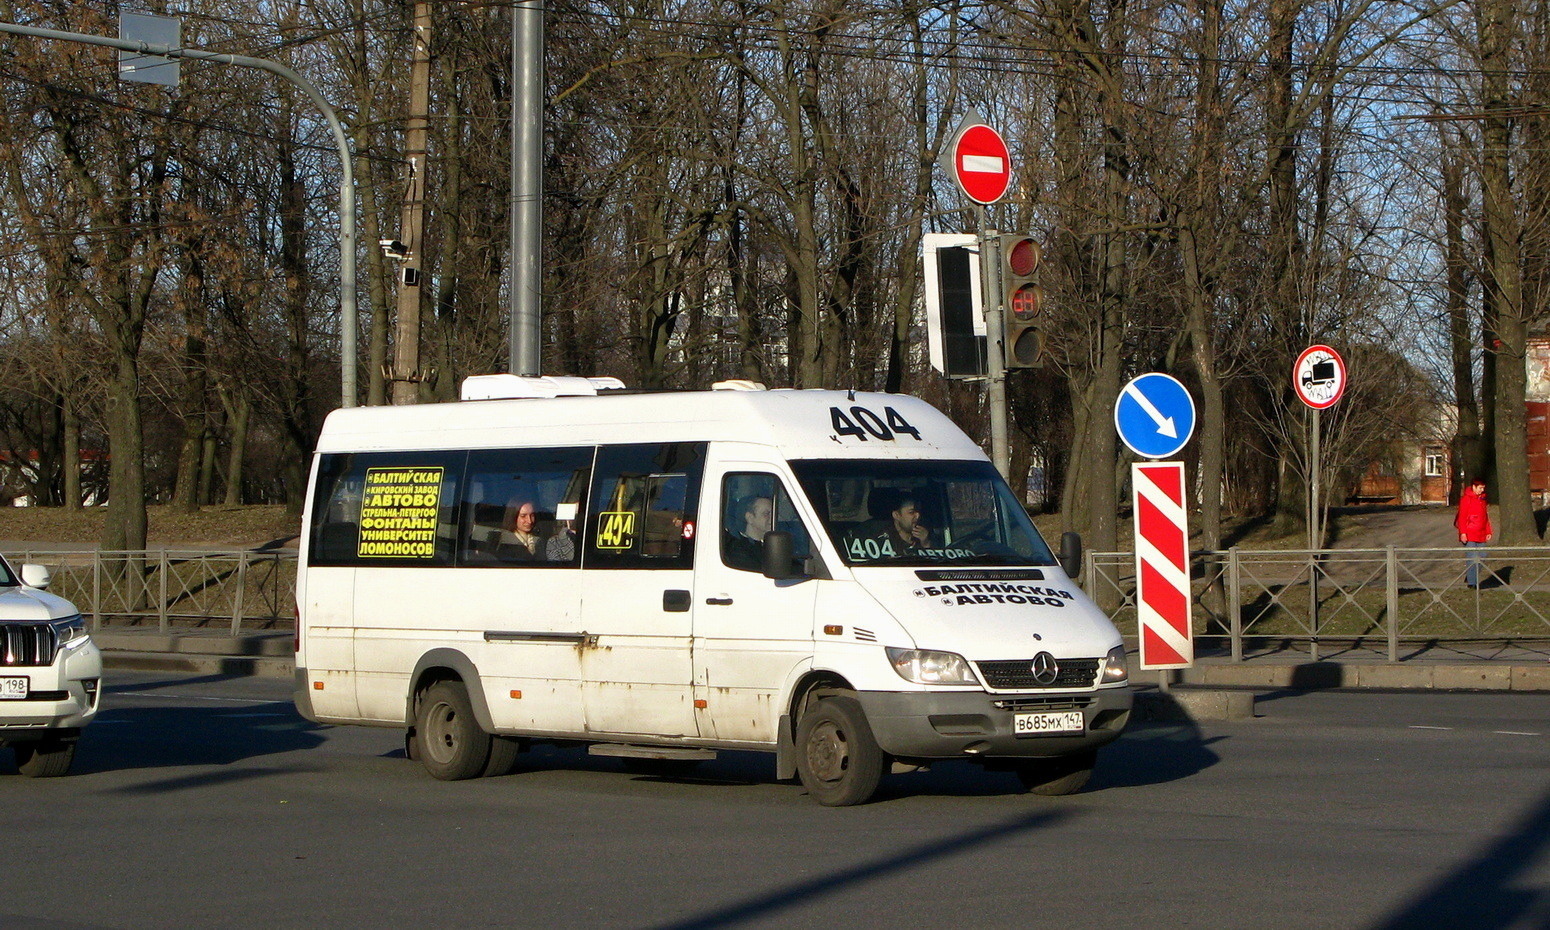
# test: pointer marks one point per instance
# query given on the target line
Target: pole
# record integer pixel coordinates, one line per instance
(527, 186)
(347, 312)
(1315, 534)
(406, 342)
(995, 344)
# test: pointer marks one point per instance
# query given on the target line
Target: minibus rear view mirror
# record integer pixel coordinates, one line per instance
(1071, 554)
(779, 556)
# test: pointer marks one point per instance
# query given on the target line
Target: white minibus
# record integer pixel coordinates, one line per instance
(840, 578)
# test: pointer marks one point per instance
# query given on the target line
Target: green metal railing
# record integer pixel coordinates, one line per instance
(240, 589)
(1389, 596)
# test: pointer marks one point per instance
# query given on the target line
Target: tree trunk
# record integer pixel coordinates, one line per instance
(196, 371)
(238, 409)
(1496, 23)
(1468, 460)
(1286, 309)
(72, 453)
(125, 528)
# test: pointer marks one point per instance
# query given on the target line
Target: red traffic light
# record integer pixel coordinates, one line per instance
(1023, 301)
(1022, 257)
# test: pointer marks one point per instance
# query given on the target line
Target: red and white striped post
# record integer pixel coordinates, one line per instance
(1162, 566)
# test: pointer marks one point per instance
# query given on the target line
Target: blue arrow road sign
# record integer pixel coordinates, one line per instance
(1155, 415)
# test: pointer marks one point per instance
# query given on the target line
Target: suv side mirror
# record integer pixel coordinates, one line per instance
(779, 553)
(1071, 554)
(36, 576)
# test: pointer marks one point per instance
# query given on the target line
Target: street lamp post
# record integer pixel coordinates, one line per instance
(347, 313)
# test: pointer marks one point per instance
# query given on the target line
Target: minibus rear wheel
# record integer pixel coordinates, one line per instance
(504, 751)
(838, 758)
(1054, 777)
(452, 744)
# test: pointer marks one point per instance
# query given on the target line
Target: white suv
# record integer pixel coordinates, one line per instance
(50, 673)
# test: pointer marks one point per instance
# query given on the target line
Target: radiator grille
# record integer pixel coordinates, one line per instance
(1027, 704)
(1017, 674)
(26, 644)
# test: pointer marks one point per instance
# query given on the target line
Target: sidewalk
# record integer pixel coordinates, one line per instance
(1474, 666)
(1443, 666)
(205, 652)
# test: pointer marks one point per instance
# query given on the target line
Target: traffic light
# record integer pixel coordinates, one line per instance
(1020, 301)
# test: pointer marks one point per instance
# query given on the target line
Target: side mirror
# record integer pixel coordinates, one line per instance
(779, 553)
(36, 576)
(1071, 554)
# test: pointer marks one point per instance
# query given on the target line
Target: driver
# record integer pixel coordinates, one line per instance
(904, 531)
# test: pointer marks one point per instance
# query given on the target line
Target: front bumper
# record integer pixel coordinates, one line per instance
(976, 724)
(62, 696)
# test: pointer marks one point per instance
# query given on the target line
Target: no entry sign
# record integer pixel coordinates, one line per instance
(1162, 566)
(982, 166)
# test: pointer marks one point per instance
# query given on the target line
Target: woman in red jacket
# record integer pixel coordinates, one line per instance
(1474, 526)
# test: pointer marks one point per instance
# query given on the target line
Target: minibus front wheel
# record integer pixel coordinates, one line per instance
(838, 758)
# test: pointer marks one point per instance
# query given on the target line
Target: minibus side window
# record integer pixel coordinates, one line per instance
(385, 508)
(336, 512)
(644, 506)
(523, 507)
(752, 504)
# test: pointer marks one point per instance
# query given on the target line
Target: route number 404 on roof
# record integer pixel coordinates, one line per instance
(864, 423)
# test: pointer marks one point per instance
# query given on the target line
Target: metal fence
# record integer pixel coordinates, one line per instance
(235, 589)
(1392, 596)
(1386, 597)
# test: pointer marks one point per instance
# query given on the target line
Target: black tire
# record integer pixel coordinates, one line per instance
(1054, 777)
(452, 745)
(838, 758)
(49, 757)
(503, 756)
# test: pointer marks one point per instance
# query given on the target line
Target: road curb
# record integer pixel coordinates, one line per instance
(1184, 705)
(1314, 676)
(199, 664)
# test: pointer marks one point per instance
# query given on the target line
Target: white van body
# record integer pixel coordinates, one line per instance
(50, 672)
(661, 637)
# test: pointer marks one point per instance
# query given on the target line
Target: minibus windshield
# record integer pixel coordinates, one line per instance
(921, 513)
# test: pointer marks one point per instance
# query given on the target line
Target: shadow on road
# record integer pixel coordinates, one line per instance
(1148, 754)
(1154, 754)
(124, 738)
(1491, 891)
(769, 905)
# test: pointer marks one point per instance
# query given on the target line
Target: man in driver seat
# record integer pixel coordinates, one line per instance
(904, 532)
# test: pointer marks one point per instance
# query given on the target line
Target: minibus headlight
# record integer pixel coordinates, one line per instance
(1114, 667)
(926, 667)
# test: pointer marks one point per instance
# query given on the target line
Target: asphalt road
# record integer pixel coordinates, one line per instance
(208, 802)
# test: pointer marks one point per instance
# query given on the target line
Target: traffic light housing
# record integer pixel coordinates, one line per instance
(1021, 299)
